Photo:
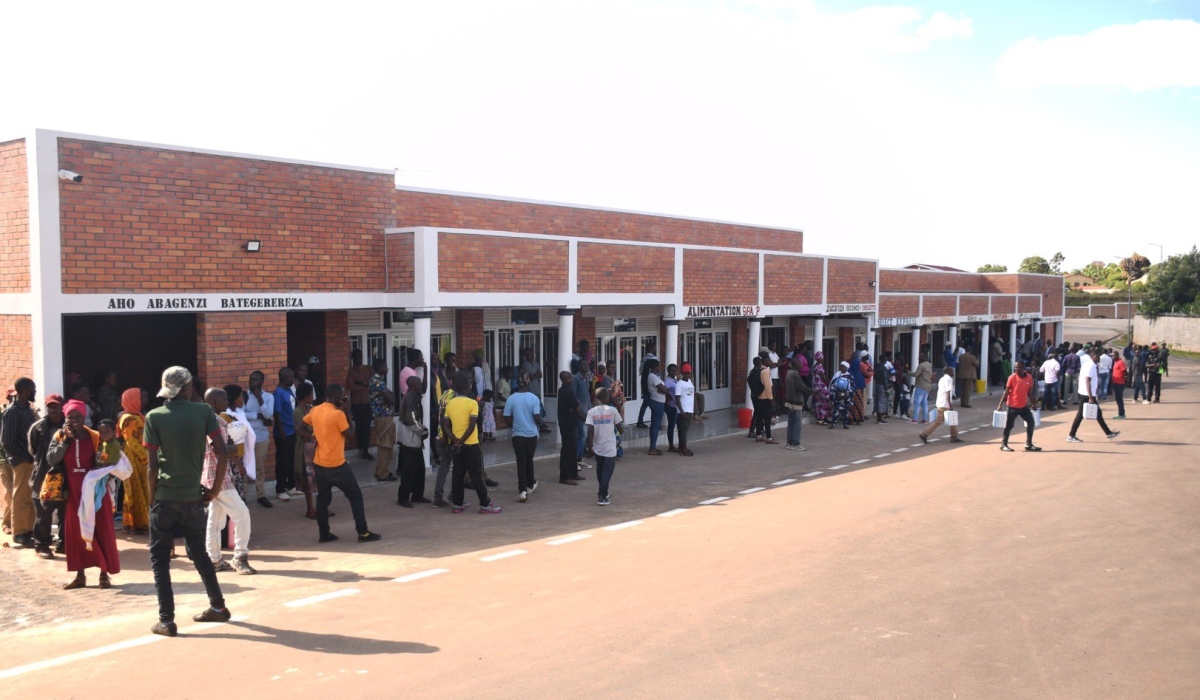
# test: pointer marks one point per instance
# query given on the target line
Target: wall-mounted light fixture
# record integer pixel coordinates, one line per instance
(872, 283)
(253, 246)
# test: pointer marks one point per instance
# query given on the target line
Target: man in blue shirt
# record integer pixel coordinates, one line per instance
(285, 437)
(583, 394)
(524, 413)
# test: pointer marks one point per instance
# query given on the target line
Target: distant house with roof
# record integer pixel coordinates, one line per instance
(932, 268)
(1076, 280)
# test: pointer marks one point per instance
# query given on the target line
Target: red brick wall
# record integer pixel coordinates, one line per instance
(926, 281)
(795, 331)
(468, 332)
(941, 306)
(584, 328)
(719, 277)
(625, 269)
(401, 259)
(457, 211)
(1077, 312)
(231, 345)
(907, 306)
(1028, 304)
(1006, 284)
(845, 345)
(973, 306)
(1004, 305)
(470, 263)
(850, 282)
(1050, 288)
(195, 212)
(14, 217)
(336, 357)
(16, 348)
(791, 280)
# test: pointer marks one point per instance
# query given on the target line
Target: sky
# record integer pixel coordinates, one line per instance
(954, 133)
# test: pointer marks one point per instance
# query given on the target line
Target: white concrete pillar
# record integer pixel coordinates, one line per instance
(984, 334)
(915, 353)
(1058, 333)
(422, 326)
(952, 336)
(566, 331)
(753, 331)
(819, 335)
(1012, 340)
(671, 351)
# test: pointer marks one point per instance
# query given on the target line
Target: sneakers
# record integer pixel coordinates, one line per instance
(370, 537)
(492, 509)
(534, 487)
(283, 496)
(924, 439)
(211, 615)
(456, 509)
(166, 629)
(264, 502)
(242, 566)
(404, 504)
(1120, 417)
(797, 448)
(327, 538)
(1113, 435)
(603, 501)
(491, 483)
(222, 565)
(1032, 448)
(1072, 438)
(389, 477)
(1005, 448)
(439, 503)
(522, 497)
(295, 492)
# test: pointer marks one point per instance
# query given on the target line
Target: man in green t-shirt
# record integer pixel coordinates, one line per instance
(176, 435)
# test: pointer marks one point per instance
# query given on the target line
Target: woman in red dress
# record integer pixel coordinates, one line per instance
(75, 446)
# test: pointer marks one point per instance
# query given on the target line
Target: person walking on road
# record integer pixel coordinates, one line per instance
(176, 437)
(685, 397)
(524, 413)
(1019, 395)
(1120, 377)
(1089, 383)
(966, 372)
(945, 393)
(330, 422)
(922, 383)
(1155, 364)
(603, 424)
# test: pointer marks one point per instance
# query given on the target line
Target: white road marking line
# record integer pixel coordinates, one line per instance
(622, 526)
(569, 539)
(504, 555)
(885, 454)
(711, 501)
(971, 430)
(419, 575)
(345, 592)
(898, 450)
(756, 489)
(781, 483)
(672, 513)
(861, 461)
(816, 473)
(917, 445)
(840, 466)
(934, 439)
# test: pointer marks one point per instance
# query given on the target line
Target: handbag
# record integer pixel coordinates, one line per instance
(53, 488)
(1090, 411)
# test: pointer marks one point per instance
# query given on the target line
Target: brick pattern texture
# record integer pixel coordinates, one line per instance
(906, 306)
(845, 345)
(1028, 304)
(1004, 305)
(926, 281)
(973, 306)
(14, 218)
(791, 280)
(457, 211)
(468, 332)
(941, 306)
(714, 277)
(473, 263)
(336, 357)
(231, 345)
(850, 282)
(741, 361)
(584, 328)
(401, 259)
(625, 269)
(16, 347)
(187, 217)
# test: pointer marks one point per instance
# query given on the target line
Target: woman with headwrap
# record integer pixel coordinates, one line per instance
(822, 407)
(841, 390)
(857, 407)
(75, 447)
(136, 513)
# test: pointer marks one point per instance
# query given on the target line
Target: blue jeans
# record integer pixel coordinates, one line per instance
(920, 404)
(605, 466)
(1103, 393)
(793, 429)
(1050, 397)
(672, 416)
(657, 409)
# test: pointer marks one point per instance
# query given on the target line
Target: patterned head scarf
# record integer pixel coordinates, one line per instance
(131, 401)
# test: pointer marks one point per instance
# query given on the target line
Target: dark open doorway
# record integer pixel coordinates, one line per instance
(138, 347)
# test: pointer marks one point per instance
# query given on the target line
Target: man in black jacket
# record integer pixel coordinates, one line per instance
(40, 436)
(14, 434)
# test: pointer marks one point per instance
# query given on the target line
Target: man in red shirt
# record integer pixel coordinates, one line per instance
(1019, 395)
(1119, 376)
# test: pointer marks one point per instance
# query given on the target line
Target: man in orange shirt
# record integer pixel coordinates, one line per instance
(330, 422)
(1019, 394)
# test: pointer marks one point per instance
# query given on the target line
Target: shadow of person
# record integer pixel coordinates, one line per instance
(324, 643)
(335, 576)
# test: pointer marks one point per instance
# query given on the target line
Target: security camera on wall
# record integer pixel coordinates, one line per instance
(69, 176)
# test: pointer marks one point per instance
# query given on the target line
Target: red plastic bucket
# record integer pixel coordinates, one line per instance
(744, 417)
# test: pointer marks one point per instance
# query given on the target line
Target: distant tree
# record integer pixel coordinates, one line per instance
(992, 268)
(1174, 287)
(1035, 264)
(1056, 263)
(1135, 267)
(1113, 276)
(1094, 272)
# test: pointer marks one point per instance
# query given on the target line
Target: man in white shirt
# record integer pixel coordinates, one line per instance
(260, 414)
(1089, 380)
(685, 398)
(603, 424)
(1050, 370)
(945, 391)
(776, 388)
(1105, 371)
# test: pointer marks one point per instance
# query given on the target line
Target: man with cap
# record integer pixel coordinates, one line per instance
(685, 398)
(40, 436)
(14, 434)
(945, 391)
(176, 436)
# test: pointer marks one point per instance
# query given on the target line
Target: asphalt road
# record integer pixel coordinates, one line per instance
(921, 572)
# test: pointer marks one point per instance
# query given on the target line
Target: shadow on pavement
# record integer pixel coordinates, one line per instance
(324, 643)
(334, 576)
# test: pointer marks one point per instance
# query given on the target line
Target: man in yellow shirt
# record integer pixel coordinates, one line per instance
(460, 426)
(330, 422)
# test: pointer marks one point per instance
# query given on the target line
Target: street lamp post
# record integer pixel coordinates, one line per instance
(1160, 252)
(1128, 297)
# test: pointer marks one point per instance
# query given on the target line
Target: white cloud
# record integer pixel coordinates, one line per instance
(1144, 56)
(943, 27)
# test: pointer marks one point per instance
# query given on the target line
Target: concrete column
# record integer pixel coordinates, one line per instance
(984, 332)
(1012, 340)
(1058, 333)
(566, 331)
(671, 351)
(915, 354)
(818, 339)
(753, 331)
(952, 336)
(422, 325)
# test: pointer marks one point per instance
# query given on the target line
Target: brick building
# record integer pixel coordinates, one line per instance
(227, 263)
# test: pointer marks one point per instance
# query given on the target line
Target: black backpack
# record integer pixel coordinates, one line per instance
(754, 379)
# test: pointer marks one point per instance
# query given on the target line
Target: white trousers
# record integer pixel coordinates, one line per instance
(228, 504)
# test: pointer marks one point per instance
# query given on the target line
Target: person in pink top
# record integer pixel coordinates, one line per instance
(416, 368)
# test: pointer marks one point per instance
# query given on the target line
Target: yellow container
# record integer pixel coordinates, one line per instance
(980, 386)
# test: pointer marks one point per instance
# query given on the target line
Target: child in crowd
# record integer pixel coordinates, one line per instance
(110, 447)
(487, 410)
(504, 387)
